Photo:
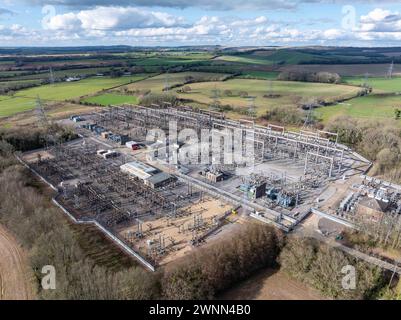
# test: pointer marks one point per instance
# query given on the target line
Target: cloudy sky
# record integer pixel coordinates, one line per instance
(200, 22)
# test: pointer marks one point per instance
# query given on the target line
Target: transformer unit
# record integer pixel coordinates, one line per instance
(286, 199)
(256, 191)
(281, 197)
(345, 205)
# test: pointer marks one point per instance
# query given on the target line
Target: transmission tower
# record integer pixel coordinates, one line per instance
(215, 97)
(51, 78)
(50, 136)
(309, 115)
(390, 70)
(270, 88)
(139, 232)
(251, 106)
(167, 82)
(366, 80)
(40, 112)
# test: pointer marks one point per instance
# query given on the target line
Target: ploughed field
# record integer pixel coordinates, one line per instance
(271, 285)
(158, 83)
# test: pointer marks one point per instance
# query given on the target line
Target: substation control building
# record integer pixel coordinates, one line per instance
(149, 175)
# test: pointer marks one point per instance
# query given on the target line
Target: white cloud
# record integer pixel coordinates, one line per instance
(112, 18)
(68, 21)
(206, 26)
(249, 22)
(379, 20)
(131, 25)
(16, 32)
(333, 34)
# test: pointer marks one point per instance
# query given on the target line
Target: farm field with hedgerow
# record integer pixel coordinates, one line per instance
(368, 107)
(24, 100)
(232, 92)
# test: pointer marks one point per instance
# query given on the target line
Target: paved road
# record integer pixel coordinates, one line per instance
(15, 279)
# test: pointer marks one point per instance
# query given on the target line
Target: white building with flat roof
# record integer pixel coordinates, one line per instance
(139, 169)
(150, 176)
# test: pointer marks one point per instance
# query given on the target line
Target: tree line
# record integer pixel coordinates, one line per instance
(377, 140)
(321, 267)
(323, 77)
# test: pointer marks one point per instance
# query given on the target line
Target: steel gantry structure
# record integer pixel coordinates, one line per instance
(270, 141)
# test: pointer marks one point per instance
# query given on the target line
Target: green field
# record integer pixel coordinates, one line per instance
(379, 84)
(10, 73)
(69, 90)
(12, 105)
(6, 84)
(256, 71)
(373, 106)
(24, 100)
(291, 93)
(253, 82)
(158, 83)
(111, 99)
